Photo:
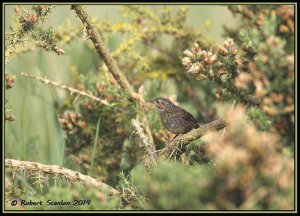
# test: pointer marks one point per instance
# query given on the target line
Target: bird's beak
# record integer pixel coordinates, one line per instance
(153, 101)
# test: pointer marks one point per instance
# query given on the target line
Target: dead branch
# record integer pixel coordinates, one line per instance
(58, 171)
(63, 86)
(145, 142)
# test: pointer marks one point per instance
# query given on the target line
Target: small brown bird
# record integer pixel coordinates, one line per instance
(176, 119)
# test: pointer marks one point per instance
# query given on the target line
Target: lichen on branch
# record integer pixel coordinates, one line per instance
(178, 144)
(58, 171)
(104, 53)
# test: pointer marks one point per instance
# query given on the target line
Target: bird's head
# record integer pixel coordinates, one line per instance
(162, 103)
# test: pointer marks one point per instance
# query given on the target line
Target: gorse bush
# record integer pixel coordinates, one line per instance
(261, 72)
(114, 135)
(249, 166)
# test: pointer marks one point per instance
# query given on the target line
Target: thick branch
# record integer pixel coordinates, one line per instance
(182, 141)
(58, 171)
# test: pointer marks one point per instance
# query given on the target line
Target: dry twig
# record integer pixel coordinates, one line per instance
(63, 86)
(145, 142)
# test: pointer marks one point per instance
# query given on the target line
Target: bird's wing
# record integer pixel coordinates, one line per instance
(190, 118)
(185, 114)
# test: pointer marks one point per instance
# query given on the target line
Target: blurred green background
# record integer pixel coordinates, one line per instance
(35, 135)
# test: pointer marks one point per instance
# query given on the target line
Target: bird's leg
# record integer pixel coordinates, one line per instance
(175, 148)
(169, 144)
(174, 138)
(179, 135)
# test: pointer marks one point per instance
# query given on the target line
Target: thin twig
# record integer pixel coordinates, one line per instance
(63, 86)
(171, 154)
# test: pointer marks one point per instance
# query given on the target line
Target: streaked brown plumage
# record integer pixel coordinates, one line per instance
(176, 119)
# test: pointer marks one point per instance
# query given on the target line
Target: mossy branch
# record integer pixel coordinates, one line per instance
(179, 143)
(58, 171)
(63, 86)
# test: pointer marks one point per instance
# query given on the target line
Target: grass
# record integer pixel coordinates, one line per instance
(94, 147)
